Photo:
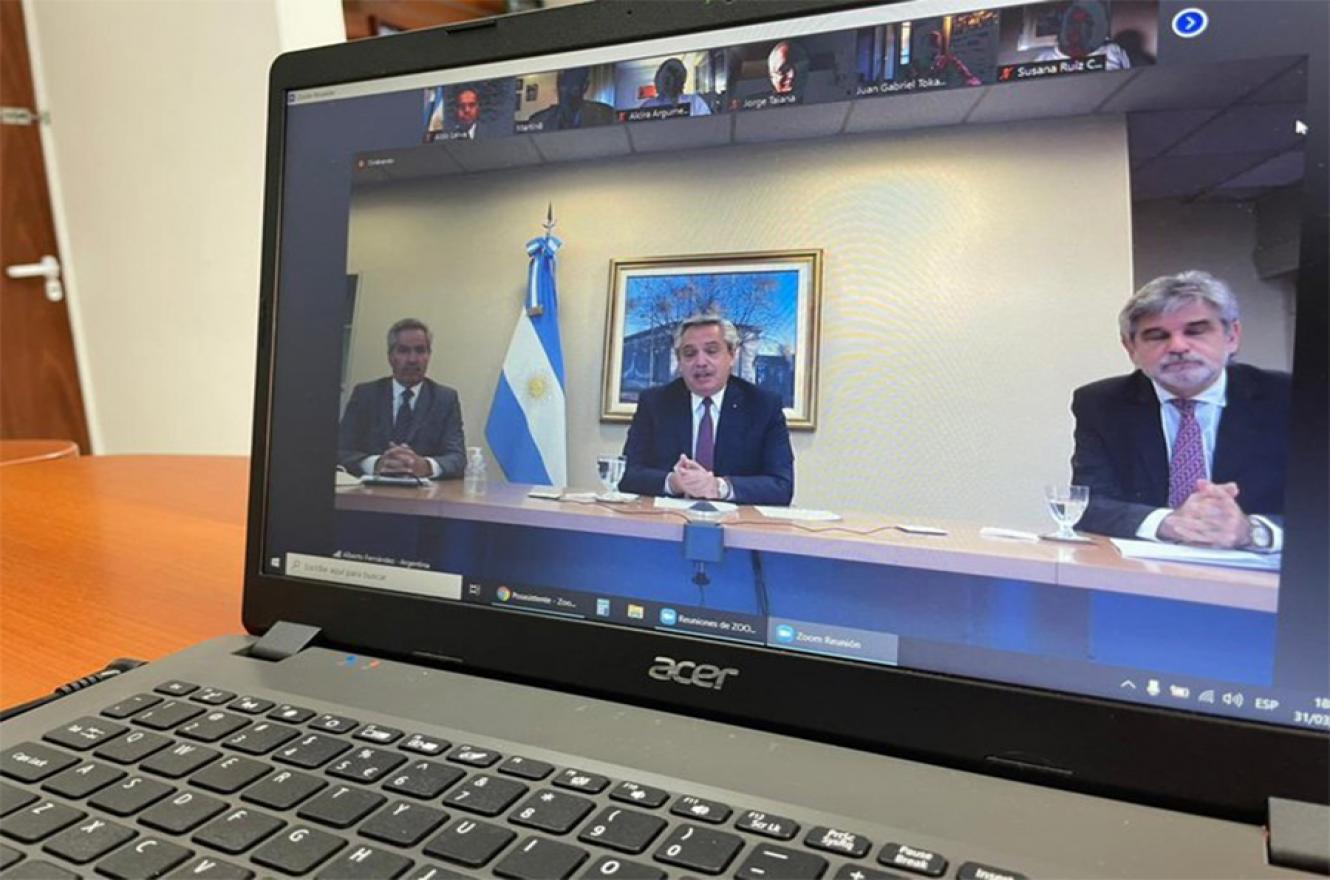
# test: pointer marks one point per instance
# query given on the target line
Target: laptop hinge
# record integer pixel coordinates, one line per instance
(1298, 836)
(284, 639)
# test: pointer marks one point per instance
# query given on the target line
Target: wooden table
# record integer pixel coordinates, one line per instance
(31, 451)
(115, 556)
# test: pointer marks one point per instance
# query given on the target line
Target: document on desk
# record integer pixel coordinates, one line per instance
(802, 514)
(687, 504)
(1198, 555)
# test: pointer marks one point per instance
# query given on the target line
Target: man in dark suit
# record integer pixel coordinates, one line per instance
(1190, 448)
(404, 424)
(707, 434)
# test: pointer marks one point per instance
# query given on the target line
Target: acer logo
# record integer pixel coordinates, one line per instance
(688, 672)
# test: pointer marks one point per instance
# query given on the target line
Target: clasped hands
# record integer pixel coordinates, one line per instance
(401, 460)
(692, 480)
(1210, 517)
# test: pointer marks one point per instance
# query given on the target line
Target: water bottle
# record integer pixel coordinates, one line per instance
(474, 477)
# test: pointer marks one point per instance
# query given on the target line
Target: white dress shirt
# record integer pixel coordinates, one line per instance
(371, 461)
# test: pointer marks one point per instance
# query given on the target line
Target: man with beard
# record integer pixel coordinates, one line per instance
(1190, 448)
(709, 434)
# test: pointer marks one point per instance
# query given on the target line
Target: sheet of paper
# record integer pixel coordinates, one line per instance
(1199, 555)
(805, 514)
(687, 503)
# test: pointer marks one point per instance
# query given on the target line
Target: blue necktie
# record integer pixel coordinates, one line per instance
(405, 418)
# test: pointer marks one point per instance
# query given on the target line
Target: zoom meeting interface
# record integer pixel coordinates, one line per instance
(960, 341)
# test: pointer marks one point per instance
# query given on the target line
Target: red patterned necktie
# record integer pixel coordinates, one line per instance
(1188, 464)
(706, 438)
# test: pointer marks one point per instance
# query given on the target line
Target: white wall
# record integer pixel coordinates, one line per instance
(973, 277)
(155, 153)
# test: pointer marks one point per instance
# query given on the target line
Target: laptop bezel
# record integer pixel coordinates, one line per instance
(1130, 751)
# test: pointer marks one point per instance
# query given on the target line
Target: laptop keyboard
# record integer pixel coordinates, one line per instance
(197, 782)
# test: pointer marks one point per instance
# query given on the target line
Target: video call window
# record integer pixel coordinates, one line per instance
(687, 84)
(932, 53)
(469, 111)
(799, 70)
(577, 97)
(1077, 37)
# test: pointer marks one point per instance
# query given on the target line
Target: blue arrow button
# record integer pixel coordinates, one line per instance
(1190, 23)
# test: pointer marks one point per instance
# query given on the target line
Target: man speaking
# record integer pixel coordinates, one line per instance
(708, 434)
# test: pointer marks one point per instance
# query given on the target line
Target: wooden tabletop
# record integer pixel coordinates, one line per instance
(32, 451)
(115, 556)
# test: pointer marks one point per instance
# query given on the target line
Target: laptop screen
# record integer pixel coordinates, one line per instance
(955, 339)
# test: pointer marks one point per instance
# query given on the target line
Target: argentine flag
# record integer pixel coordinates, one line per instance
(527, 425)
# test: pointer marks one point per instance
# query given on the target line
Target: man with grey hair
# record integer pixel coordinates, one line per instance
(1191, 447)
(709, 434)
(404, 424)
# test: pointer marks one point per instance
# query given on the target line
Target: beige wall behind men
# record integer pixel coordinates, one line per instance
(155, 153)
(971, 274)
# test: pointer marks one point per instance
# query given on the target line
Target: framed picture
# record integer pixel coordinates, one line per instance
(772, 297)
(1041, 25)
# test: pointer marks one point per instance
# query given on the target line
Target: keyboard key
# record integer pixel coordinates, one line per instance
(434, 872)
(625, 830)
(84, 733)
(525, 768)
(8, 856)
(237, 831)
(176, 688)
(261, 738)
(767, 825)
(184, 812)
(89, 840)
(641, 795)
(283, 789)
(580, 781)
(851, 871)
(130, 796)
(251, 705)
(366, 863)
(208, 868)
(366, 765)
(167, 714)
(39, 869)
(424, 745)
(976, 871)
(473, 756)
(149, 857)
(469, 842)
(698, 808)
(291, 714)
(42, 819)
(767, 861)
(130, 705)
(539, 859)
(297, 849)
(552, 811)
(423, 779)
(376, 734)
(83, 779)
(911, 858)
(13, 798)
(403, 823)
(179, 760)
(213, 726)
(133, 746)
(621, 869)
(230, 774)
(699, 849)
(334, 723)
(845, 843)
(32, 762)
(213, 696)
(341, 806)
(312, 751)
(487, 795)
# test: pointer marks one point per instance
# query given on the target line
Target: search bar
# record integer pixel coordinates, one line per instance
(440, 585)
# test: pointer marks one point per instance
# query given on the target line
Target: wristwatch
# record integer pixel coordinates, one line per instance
(722, 488)
(1262, 536)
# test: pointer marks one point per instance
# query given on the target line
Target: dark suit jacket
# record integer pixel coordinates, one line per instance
(752, 442)
(1122, 456)
(436, 432)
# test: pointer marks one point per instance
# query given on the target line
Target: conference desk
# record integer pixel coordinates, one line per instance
(857, 537)
(115, 556)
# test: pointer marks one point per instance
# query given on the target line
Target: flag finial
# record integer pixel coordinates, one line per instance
(549, 219)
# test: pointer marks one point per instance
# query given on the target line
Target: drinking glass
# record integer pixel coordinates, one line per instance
(1066, 504)
(610, 469)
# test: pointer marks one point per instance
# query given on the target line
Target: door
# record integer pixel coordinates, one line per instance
(40, 395)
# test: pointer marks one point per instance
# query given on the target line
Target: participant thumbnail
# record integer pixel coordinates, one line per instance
(797, 70)
(948, 51)
(471, 111)
(1080, 36)
(687, 84)
(578, 97)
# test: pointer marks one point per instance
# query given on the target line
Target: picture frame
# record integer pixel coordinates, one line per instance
(774, 298)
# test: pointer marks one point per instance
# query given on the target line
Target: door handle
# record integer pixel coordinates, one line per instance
(48, 268)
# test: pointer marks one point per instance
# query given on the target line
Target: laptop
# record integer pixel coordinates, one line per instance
(521, 621)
